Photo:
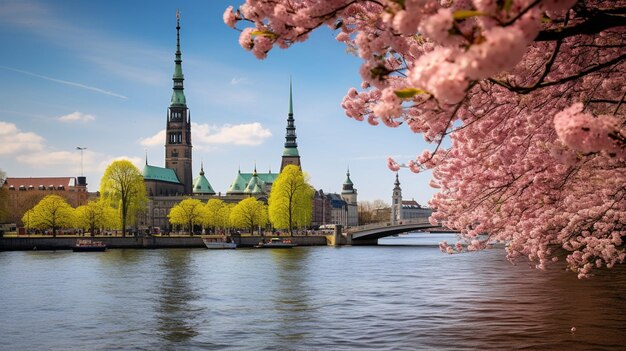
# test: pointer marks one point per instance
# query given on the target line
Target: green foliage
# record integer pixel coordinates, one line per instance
(408, 93)
(224, 216)
(291, 200)
(187, 213)
(52, 212)
(123, 188)
(96, 215)
(212, 218)
(249, 213)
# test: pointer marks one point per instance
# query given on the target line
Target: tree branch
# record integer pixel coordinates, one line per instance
(595, 24)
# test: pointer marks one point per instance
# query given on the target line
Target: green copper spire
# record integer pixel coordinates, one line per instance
(178, 96)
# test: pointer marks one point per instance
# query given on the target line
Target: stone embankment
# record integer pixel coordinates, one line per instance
(150, 242)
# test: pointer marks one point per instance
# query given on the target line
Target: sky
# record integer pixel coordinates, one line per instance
(98, 75)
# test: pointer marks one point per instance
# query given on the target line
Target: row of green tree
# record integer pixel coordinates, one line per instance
(290, 205)
(123, 197)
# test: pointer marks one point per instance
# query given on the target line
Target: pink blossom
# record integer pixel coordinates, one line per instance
(587, 133)
(437, 27)
(392, 165)
(229, 17)
(245, 39)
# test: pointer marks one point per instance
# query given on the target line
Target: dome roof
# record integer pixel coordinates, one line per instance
(201, 185)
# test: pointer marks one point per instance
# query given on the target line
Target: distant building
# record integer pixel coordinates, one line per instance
(349, 195)
(402, 209)
(332, 208)
(25, 193)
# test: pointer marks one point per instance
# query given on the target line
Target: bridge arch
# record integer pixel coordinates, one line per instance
(369, 234)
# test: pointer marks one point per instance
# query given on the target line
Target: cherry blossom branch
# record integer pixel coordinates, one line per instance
(597, 23)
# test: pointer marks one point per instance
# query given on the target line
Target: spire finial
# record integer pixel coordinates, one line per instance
(146, 150)
(177, 31)
(202, 167)
(290, 98)
(254, 167)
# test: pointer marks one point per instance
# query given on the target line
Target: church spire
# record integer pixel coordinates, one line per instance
(178, 96)
(178, 146)
(290, 153)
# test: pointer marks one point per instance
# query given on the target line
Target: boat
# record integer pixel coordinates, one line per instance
(276, 243)
(88, 245)
(218, 244)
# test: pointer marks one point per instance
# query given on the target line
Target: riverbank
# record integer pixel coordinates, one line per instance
(149, 242)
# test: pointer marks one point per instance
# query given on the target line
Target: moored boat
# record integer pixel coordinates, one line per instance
(218, 244)
(276, 243)
(88, 245)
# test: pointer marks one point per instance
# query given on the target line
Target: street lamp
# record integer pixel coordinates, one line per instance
(81, 158)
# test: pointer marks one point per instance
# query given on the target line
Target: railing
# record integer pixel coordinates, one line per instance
(404, 222)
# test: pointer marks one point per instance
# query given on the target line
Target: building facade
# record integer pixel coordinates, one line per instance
(25, 193)
(405, 209)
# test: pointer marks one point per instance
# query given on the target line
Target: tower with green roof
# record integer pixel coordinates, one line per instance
(290, 154)
(349, 195)
(178, 129)
(348, 192)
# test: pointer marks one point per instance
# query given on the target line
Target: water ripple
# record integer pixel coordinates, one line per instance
(352, 298)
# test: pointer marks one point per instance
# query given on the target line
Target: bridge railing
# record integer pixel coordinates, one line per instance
(418, 220)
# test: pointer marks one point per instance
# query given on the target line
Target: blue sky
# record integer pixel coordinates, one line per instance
(98, 75)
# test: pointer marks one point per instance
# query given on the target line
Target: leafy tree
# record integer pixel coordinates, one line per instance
(187, 213)
(224, 216)
(96, 214)
(212, 218)
(291, 200)
(52, 212)
(373, 211)
(530, 94)
(249, 213)
(122, 186)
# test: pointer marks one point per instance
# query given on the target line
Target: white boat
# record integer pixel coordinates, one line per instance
(218, 244)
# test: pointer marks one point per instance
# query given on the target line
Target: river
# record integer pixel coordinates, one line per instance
(306, 298)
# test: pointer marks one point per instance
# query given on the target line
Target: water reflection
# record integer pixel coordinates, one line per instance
(292, 302)
(176, 311)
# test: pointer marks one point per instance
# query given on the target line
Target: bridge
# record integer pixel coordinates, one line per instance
(369, 234)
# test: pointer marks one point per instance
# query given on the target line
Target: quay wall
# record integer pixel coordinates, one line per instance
(151, 242)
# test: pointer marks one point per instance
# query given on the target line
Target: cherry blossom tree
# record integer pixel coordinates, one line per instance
(529, 93)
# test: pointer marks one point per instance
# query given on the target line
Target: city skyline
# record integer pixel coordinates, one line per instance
(98, 76)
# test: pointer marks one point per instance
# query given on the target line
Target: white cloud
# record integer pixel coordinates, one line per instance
(51, 158)
(77, 117)
(238, 80)
(155, 140)
(12, 140)
(248, 134)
